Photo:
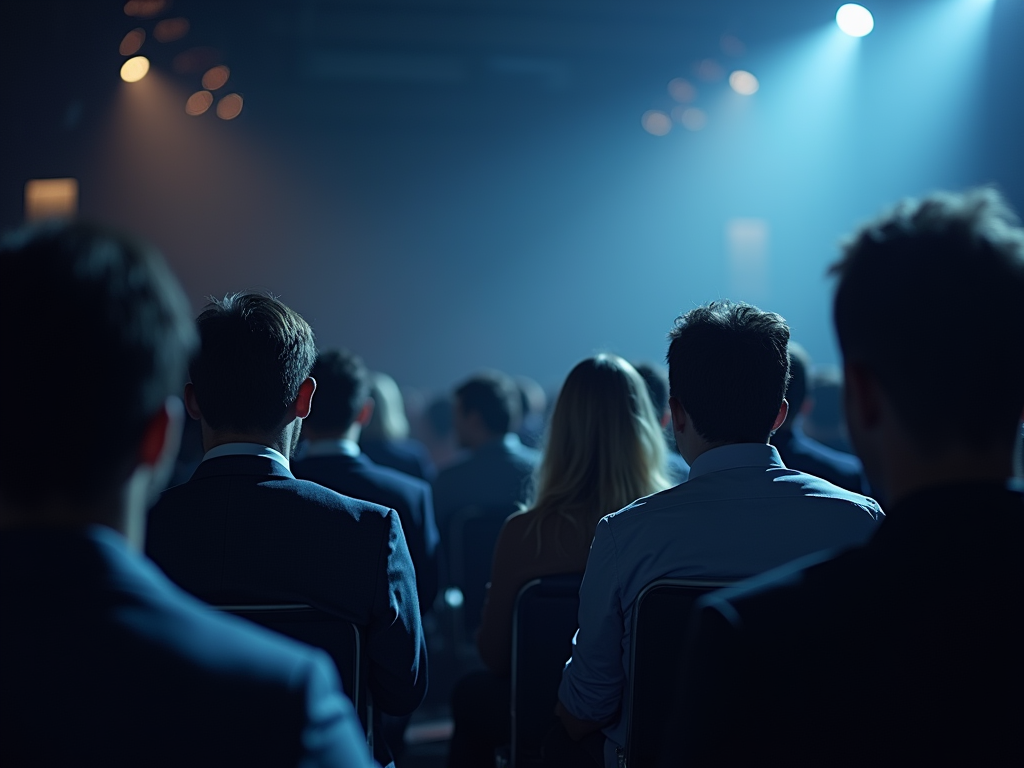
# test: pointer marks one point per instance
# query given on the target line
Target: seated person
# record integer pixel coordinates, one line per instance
(102, 660)
(906, 651)
(798, 451)
(657, 388)
(604, 449)
(244, 530)
(332, 458)
(385, 437)
(496, 473)
(740, 513)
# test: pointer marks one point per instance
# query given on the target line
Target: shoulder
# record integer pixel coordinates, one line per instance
(813, 487)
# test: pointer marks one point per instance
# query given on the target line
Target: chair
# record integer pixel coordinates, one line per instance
(543, 624)
(660, 616)
(341, 639)
(473, 532)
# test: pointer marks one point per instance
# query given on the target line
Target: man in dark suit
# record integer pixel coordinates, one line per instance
(798, 451)
(244, 530)
(331, 457)
(906, 651)
(102, 660)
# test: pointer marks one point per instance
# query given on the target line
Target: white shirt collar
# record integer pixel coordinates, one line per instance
(247, 449)
(331, 447)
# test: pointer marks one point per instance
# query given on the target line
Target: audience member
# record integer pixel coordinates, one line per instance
(533, 406)
(798, 451)
(244, 530)
(604, 449)
(906, 651)
(102, 660)
(385, 438)
(740, 513)
(657, 387)
(331, 457)
(438, 432)
(824, 419)
(495, 475)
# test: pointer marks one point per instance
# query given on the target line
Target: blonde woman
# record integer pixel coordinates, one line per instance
(604, 450)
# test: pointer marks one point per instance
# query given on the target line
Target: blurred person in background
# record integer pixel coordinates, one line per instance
(798, 451)
(437, 432)
(604, 449)
(824, 417)
(533, 402)
(385, 438)
(656, 380)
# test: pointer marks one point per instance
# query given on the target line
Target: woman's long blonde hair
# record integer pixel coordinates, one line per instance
(604, 448)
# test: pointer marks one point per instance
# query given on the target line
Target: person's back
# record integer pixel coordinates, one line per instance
(331, 457)
(385, 438)
(740, 512)
(494, 477)
(102, 660)
(244, 530)
(905, 651)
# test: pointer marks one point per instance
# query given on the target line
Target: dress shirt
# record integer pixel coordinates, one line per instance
(740, 513)
(247, 449)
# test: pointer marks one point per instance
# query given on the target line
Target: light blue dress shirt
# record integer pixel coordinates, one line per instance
(741, 512)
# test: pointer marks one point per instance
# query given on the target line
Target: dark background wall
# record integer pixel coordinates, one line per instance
(449, 185)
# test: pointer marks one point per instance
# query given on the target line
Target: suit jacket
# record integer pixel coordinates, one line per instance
(907, 651)
(408, 456)
(360, 478)
(244, 530)
(798, 451)
(104, 662)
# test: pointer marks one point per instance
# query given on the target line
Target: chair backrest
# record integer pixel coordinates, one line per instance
(543, 623)
(660, 616)
(341, 639)
(473, 532)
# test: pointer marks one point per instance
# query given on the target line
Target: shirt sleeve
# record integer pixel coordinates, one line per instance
(395, 645)
(593, 680)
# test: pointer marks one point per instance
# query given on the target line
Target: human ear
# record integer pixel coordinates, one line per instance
(304, 401)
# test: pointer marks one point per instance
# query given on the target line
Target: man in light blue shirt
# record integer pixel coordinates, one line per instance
(740, 513)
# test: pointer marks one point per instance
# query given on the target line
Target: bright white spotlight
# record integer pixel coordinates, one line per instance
(855, 20)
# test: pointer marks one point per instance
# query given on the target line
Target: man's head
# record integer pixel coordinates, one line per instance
(657, 387)
(728, 368)
(929, 311)
(486, 407)
(342, 395)
(101, 330)
(253, 366)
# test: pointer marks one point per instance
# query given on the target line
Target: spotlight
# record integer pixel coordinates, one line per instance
(855, 20)
(744, 83)
(134, 69)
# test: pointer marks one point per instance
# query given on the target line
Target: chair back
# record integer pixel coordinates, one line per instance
(341, 639)
(473, 532)
(660, 617)
(543, 624)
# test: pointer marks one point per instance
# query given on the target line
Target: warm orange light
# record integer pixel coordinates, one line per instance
(216, 77)
(195, 60)
(144, 8)
(656, 123)
(50, 198)
(132, 42)
(682, 90)
(134, 69)
(198, 102)
(169, 30)
(229, 107)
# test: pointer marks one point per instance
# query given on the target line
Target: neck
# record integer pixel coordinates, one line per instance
(280, 440)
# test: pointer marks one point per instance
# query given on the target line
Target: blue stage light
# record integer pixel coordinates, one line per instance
(855, 20)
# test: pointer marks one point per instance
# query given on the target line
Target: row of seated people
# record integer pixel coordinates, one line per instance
(836, 658)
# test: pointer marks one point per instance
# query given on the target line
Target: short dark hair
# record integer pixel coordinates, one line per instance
(799, 370)
(342, 386)
(254, 354)
(657, 385)
(728, 366)
(114, 328)
(931, 300)
(495, 397)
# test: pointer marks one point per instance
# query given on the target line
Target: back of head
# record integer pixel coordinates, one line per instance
(799, 369)
(254, 354)
(728, 367)
(495, 397)
(657, 385)
(931, 300)
(342, 387)
(389, 421)
(98, 358)
(604, 447)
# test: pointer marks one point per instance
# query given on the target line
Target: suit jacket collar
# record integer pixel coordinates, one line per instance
(241, 465)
